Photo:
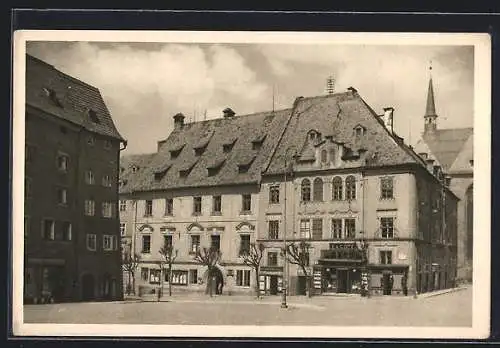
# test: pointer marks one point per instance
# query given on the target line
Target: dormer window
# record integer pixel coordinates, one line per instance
(122, 183)
(215, 167)
(471, 162)
(324, 156)
(93, 115)
(244, 165)
(359, 130)
(51, 94)
(228, 146)
(258, 141)
(135, 169)
(174, 153)
(160, 172)
(184, 172)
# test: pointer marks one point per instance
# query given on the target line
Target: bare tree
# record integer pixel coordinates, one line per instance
(168, 256)
(208, 257)
(130, 263)
(298, 254)
(252, 257)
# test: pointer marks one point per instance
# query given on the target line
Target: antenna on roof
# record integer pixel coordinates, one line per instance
(205, 115)
(273, 97)
(330, 85)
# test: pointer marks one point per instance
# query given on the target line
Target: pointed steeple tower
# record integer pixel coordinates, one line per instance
(430, 109)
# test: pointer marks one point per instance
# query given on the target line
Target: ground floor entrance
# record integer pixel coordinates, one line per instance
(46, 284)
(270, 284)
(341, 280)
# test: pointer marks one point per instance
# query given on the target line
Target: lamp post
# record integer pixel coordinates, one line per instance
(284, 288)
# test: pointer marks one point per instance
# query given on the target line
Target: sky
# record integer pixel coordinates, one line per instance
(145, 84)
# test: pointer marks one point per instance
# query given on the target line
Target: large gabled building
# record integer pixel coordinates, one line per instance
(72, 154)
(350, 183)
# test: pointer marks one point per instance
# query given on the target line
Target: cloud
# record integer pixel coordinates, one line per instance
(144, 88)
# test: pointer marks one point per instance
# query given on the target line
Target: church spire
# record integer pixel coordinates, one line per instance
(430, 109)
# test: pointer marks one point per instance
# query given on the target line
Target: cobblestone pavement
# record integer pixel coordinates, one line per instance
(450, 309)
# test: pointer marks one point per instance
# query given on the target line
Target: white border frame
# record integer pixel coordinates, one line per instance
(482, 173)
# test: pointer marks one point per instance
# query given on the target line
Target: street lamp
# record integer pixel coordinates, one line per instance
(285, 257)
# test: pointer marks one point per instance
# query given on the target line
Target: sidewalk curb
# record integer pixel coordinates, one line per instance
(443, 292)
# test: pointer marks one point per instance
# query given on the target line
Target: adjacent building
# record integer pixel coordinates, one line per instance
(452, 150)
(71, 223)
(328, 171)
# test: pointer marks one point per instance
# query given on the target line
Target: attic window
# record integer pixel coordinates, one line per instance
(174, 153)
(471, 162)
(244, 166)
(93, 115)
(183, 173)
(423, 155)
(313, 135)
(214, 168)
(160, 172)
(359, 130)
(52, 95)
(135, 169)
(257, 142)
(228, 146)
(122, 183)
(198, 151)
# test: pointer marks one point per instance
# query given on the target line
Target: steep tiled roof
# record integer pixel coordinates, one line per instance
(446, 144)
(209, 137)
(68, 98)
(336, 116)
(130, 169)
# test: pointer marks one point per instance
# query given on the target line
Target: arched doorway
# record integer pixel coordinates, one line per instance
(469, 215)
(88, 287)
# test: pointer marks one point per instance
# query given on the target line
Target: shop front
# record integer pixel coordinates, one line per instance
(271, 280)
(340, 269)
(387, 280)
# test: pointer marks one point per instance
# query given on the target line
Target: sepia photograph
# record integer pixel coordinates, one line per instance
(251, 184)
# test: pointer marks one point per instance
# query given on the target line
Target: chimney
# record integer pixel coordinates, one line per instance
(388, 118)
(352, 90)
(228, 113)
(179, 121)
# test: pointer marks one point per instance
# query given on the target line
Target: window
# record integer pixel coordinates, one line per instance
(62, 162)
(193, 276)
(107, 209)
(66, 231)
(244, 244)
(196, 205)
(274, 194)
(216, 205)
(108, 242)
(336, 228)
(144, 273)
(48, 229)
(272, 258)
(146, 244)
(306, 190)
(332, 155)
(215, 242)
(91, 140)
(350, 228)
(179, 277)
(242, 277)
(27, 187)
(148, 207)
(107, 144)
(318, 190)
(123, 205)
(167, 240)
(89, 207)
(337, 188)
(91, 242)
(154, 276)
(317, 229)
(386, 188)
(62, 196)
(89, 177)
(350, 188)
(305, 229)
(169, 206)
(274, 227)
(123, 229)
(195, 243)
(324, 156)
(246, 203)
(387, 227)
(106, 181)
(386, 257)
